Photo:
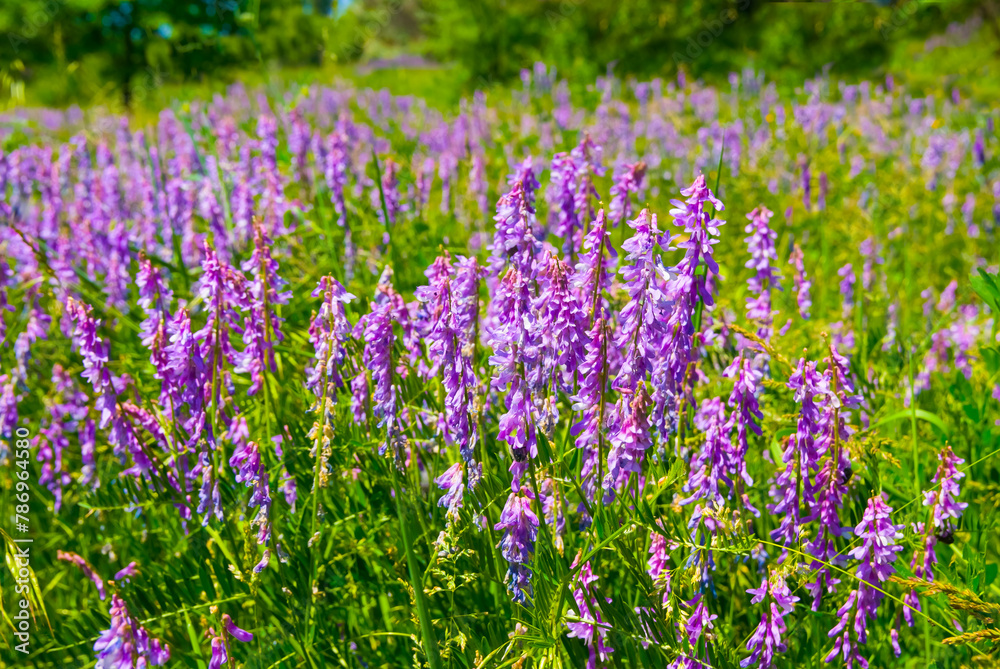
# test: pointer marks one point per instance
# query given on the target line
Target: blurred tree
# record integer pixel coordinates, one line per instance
(98, 50)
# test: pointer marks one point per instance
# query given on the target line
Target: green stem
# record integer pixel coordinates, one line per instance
(430, 641)
(913, 428)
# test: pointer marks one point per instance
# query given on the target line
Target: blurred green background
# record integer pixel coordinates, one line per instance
(138, 53)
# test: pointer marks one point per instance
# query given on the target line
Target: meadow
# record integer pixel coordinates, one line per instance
(627, 374)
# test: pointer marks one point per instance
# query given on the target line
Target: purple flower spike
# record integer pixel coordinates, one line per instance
(377, 357)
(329, 331)
(766, 639)
(629, 443)
(627, 182)
(595, 271)
(877, 552)
(126, 643)
(520, 528)
(802, 283)
(514, 240)
(445, 342)
(590, 402)
(591, 628)
(944, 508)
(766, 278)
(451, 482)
(673, 378)
(745, 412)
(86, 569)
(515, 355)
(129, 571)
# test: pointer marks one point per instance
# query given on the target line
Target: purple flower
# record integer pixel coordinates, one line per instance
(870, 252)
(87, 570)
(220, 649)
(515, 354)
(520, 528)
(745, 409)
(658, 564)
(451, 482)
(329, 331)
(711, 465)
(591, 628)
(514, 240)
(766, 278)
(223, 291)
(799, 455)
(106, 386)
(877, 552)
(589, 401)
(560, 326)
(595, 270)
(478, 185)
(67, 410)
(390, 192)
(130, 570)
(766, 638)
(444, 351)
(629, 443)
(572, 186)
(641, 318)
(262, 325)
(848, 279)
(335, 171)
(698, 625)
(377, 357)
(944, 507)
(627, 181)
(234, 631)
(687, 288)
(126, 643)
(564, 220)
(424, 176)
(250, 471)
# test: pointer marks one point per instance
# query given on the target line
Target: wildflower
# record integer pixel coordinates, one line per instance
(629, 443)
(944, 508)
(515, 354)
(627, 181)
(594, 272)
(766, 638)
(377, 357)
(262, 325)
(329, 331)
(87, 570)
(802, 283)
(877, 552)
(520, 528)
(514, 240)
(760, 244)
(126, 644)
(745, 409)
(687, 288)
(589, 400)
(590, 628)
(451, 482)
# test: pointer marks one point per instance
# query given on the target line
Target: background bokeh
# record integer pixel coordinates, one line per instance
(143, 52)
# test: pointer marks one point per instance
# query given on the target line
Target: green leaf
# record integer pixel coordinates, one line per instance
(931, 418)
